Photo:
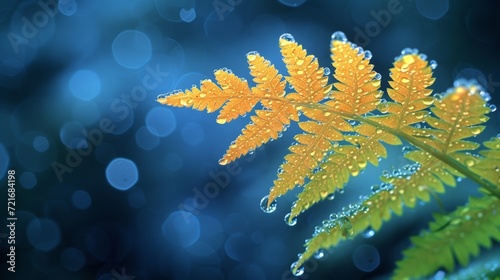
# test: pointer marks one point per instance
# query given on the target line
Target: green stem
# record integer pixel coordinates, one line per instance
(451, 162)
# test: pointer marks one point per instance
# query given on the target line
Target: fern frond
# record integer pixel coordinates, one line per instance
(238, 99)
(343, 133)
(309, 82)
(357, 93)
(456, 116)
(459, 234)
(488, 166)
(411, 76)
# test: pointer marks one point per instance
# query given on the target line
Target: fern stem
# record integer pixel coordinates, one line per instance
(412, 140)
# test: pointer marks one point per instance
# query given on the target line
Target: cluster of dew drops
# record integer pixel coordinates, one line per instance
(341, 219)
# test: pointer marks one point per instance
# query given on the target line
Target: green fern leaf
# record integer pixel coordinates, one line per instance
(458, 234)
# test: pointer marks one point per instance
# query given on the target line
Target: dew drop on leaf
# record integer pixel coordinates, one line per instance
(470, 162)
(339, 36)
(222, 161)
(291, 222)
(251, 56)
(221, 121)
(299, 270)
(433, 64)
(286, 38)
(265, 208)
(319, 254)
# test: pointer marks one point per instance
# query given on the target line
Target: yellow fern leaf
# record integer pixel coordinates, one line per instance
(310, 83)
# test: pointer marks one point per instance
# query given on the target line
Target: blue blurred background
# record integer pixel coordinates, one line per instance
(108, 180)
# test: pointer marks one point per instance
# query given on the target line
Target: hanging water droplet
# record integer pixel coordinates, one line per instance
(368, 233)
(433, 64)
(437, 96)
(319, 254)
(287, 38)
(377, 76)
(299, 270)
(265, 208)
(223, 161)
(330, 196)
(375, 188)
(339, 36)
(291, 222)
(368, 54)
(326, 71)
(493, 108)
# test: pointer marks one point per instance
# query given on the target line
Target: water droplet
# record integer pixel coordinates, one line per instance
(299, 270)
(493, 107)
(326, 71)
(470, 162)
(377, 76)
(361, 67)
(433, 64)
(476, 130)
(368, 233)
(406, 149)
(300, 62)
(265, 208)
(291, 222)
(339, 36)
(286, 38)
(251, 56)
(319, 254)
(330, 196)
(223, 161)
(221, 121)
(437, 96)
(368, 54)
(428, 101)
(406, 51)
(375, 188)
(405, 80)
(346, 226)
